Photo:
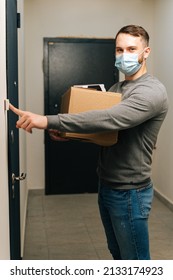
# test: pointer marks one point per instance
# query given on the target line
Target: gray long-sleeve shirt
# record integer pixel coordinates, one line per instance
(138, 118)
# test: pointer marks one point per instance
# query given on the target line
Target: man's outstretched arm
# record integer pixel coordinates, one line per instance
(29, 120)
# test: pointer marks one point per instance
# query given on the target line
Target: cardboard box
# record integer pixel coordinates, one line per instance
(77, 100)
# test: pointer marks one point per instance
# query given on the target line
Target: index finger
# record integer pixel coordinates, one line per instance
(16, 110)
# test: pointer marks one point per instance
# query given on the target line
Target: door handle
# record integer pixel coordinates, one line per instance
(18, 178)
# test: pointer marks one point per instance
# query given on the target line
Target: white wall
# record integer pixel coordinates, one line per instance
(52, 18)
(163, 62)
(4, 211)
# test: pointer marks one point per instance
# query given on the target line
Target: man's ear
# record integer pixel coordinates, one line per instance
(147, 52)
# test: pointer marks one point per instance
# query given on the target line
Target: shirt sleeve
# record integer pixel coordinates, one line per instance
(130, 112)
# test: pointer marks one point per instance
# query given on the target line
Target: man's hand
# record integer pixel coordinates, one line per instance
(55, 135)
(29, 120)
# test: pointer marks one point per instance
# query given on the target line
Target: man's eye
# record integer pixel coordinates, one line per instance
(119, 51)
(132, 49)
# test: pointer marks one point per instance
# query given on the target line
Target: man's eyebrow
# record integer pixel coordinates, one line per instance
(132, 47)
(117, 47)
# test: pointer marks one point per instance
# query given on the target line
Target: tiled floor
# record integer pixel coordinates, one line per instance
(67, 227)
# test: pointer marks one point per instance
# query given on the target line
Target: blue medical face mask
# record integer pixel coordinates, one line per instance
(128, 63)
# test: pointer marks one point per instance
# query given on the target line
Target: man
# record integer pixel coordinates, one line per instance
(124, 169)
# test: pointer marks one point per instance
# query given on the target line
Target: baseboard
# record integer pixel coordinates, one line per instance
(164, 199)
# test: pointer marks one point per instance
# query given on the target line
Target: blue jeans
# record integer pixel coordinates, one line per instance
(124, 214)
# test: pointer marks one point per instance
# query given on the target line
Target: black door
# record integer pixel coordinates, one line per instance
(13, 136)
(70, 167)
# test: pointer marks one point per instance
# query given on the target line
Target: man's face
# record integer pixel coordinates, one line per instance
(126, 43)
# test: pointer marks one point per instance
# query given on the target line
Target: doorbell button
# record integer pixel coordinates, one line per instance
(6, 104)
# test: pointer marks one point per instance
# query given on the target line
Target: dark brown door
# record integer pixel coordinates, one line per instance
(70, 167)
(13, 134)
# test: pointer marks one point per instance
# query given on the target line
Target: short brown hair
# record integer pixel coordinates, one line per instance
(136, 31)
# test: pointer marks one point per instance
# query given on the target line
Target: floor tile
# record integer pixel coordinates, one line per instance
(60, 227)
